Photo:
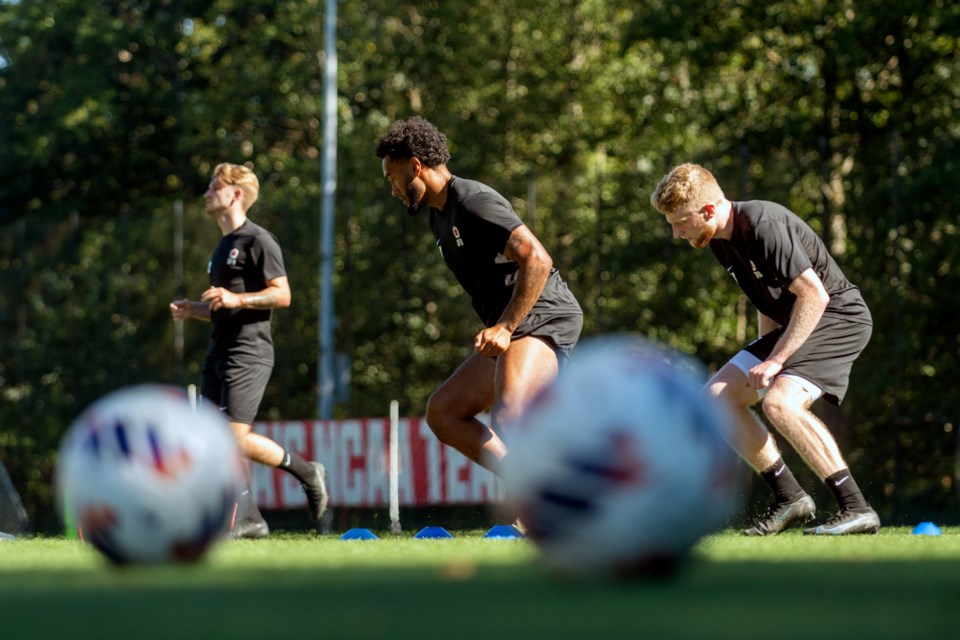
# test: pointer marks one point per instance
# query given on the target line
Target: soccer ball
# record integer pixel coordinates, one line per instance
(621, 465)
(147, 478)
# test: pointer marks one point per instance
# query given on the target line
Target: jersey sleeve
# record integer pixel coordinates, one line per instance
(782, 251)
(496, 217)
(271, 257)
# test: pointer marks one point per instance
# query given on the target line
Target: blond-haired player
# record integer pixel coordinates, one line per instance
(813, 325)
(247, 281)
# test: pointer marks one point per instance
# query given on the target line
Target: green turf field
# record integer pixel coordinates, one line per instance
(893, 585)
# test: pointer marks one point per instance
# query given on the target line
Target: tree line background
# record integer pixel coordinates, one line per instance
(112, 115)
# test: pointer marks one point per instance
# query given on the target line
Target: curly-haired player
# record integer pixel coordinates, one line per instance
(531, 319)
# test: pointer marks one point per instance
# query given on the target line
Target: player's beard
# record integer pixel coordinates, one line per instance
(702, 240)
(414, 198)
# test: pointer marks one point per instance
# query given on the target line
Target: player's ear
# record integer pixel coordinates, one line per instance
(708, 211)
(416, 166)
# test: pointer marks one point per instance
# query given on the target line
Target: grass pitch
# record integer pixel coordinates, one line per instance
(893, 585)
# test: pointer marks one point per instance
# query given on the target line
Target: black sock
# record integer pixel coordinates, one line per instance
(296, 465)
(846, 491)
(780, 478)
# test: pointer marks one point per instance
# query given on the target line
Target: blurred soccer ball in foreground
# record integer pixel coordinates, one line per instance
(146, 478)
(621, 466)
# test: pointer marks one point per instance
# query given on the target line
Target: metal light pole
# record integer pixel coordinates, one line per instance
(325, 353)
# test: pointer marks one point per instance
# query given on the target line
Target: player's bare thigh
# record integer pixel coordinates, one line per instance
(522, 371)
(733, 386)
(467, 392)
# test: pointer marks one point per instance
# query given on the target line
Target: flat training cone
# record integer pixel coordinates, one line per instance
(926, 529)
(359, 534)
(432, 533)
(503, 532)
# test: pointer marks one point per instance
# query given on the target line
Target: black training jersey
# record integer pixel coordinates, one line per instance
(472, 231)
(770, 247)
(243, 262)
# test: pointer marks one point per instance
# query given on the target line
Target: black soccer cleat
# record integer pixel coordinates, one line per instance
(784, 515)
(847, 521)
(249, 530)
(316, 489)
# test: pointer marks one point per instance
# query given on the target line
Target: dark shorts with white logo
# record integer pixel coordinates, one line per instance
(825, 358)
(235, 386)
(560, 332)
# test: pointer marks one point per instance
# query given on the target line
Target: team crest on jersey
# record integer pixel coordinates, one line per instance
(232, 257)
(456, 235)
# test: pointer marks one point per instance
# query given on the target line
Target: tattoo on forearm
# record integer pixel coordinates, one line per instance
(263, 300)
(528, 286)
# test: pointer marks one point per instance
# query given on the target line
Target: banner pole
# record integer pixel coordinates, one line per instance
(394, 467)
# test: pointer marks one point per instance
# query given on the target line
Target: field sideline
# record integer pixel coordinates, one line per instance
(893, 585)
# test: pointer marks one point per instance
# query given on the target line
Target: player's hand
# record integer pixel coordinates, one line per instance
(492, 341)
(181, 309)
(220, 298)
(762, 375)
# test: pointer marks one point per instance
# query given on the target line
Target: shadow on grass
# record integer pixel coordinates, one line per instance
(889, 599)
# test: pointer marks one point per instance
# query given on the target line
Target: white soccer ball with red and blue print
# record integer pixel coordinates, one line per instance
(621, 466)
(147, 478)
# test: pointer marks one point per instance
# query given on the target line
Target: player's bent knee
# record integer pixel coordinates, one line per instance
(778, 403)
(771, 408)
(434, 410)
(439, 416)
(241, 429)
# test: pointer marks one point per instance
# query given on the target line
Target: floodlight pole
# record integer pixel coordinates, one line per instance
(325, 352)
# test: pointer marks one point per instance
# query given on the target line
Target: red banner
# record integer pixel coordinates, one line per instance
(357, 456)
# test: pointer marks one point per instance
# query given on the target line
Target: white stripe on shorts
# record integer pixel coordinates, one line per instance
(744, 360)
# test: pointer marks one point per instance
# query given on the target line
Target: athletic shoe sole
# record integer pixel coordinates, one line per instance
(847, 524)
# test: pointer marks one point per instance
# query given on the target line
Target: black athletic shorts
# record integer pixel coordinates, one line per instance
(825, 358)
(561, 332)
(235, 386)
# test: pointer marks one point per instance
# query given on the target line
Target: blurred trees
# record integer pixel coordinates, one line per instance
(111, 112)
